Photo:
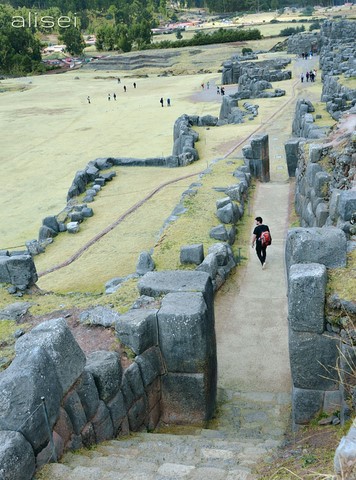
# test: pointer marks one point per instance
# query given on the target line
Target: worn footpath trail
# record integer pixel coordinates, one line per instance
(254, 384)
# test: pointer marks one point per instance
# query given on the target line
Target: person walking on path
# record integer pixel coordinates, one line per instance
(168, 102)
(302, 77)
(256, 240)
(161, 101)
(125, 88)
(109, 97)
(134, 85)
(88, 98)
(114, 96)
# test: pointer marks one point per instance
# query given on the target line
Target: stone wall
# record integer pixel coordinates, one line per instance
(92, 399)
(304, 121)
(268, 70)
(257, 157)
(304, 42)
(325, 193)
(337, 61)
(313, 349)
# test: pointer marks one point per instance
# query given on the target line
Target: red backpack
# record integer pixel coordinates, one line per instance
(265, 239)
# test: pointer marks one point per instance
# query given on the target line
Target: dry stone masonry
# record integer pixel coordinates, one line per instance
(92, 399)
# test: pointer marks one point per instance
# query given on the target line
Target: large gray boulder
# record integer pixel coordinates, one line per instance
(347, 204)
(345, 455)
(151, 365)
(186, 334)
(306, 404)
(325, 245)
(30, 376)
(209, 265)
(184, 399)
(219, 233)
(58, 341)
(107, 372)
(17, 460)
(313, 359)
(137, 329)
(306, 297)
(88, 394)
(19, 270)
(155, 284)
(145, 263)
(291, 148)
(229, 213)
(192, 253)
(99, 315)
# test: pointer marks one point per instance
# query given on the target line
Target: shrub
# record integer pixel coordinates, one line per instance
(246, 50)
(287, 32)
(314, 26)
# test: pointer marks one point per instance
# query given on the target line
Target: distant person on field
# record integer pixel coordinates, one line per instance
(218, 90)
(88, 98)
(118, 80)
(161, 101)
(114, 96)
(222, 90)
(302, 77)
(256, 240)
(109, 97)
(125, 88)
(307, 76)
(134, 85)
(168, 102)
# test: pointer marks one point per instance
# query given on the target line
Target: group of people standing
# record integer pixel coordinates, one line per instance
(161, 101)
(113, 96)
(308, 76)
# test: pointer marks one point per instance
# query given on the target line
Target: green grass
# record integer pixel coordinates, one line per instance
(342, 281)
(194, 226)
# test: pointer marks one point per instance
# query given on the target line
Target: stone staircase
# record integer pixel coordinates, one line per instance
(248, 427)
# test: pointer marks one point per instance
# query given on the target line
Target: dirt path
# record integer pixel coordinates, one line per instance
(251, 309)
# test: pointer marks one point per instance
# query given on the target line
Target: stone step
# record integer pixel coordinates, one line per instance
(248, 428)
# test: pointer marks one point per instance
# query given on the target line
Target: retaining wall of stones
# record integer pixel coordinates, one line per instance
(268, 70)
(325, 193)
(313, 350)
(92, 399)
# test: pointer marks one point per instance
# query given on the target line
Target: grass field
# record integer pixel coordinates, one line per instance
(50, 132)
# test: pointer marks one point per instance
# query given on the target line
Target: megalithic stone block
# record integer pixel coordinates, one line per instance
(306, 297)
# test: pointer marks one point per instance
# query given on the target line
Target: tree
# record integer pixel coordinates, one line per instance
(20, 50)
(73, 40)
